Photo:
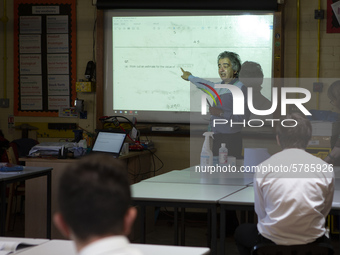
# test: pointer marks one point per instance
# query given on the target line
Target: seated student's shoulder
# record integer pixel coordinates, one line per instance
(294, 163)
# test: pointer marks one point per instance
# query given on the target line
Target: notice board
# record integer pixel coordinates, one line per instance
(44, 56)
(333, 16)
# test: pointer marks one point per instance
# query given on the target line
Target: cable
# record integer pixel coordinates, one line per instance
(105, 118)
(94, 36)
(115, 121)
(154, 155)
(154, 165)
(135, 176)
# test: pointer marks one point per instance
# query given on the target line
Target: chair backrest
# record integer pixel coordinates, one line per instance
(305, 249)
(21, 147)
(11, 156)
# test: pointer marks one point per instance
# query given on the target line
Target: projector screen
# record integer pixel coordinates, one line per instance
(144, 51)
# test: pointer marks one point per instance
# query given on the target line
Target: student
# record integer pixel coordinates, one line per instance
(94, 206)
(334, 95)
(229, 66)
(292, 201)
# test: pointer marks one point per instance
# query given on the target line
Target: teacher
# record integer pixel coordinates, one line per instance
(229, 66)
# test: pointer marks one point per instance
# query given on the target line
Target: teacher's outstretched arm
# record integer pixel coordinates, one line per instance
(185, 74)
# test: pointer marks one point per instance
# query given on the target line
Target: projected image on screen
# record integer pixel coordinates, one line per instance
(147, 52)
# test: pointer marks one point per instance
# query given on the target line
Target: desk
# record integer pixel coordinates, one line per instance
(33, 241)
(182, 195)
(18, 240)
(26, 174)
(189, 176)
(136, 162)
(241, 200)
(66, 247)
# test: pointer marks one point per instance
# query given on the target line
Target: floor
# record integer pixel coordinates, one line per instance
(163, 231)
(17, 225)
(196, 232)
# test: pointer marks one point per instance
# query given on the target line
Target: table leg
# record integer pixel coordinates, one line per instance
(209, 227)
(243, 217)
(3, 208)
(251, 216)
(142, 223)
(49, 211)
(222, 230)
(182, 227)
(176, 225)
(214, 230)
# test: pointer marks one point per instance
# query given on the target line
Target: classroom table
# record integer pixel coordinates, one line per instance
(26, 174)
(32, 241)
(66, 247)
(14, 241)
(182, 195)
(241, 200)
(188, 175)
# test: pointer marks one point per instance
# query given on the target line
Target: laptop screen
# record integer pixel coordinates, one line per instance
(109, 142)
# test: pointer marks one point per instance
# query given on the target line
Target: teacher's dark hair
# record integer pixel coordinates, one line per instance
(94, 196)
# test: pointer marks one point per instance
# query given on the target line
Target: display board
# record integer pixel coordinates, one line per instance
(333, 16)
(44, 56)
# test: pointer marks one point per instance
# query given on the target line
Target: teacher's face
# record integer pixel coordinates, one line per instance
(225, 70)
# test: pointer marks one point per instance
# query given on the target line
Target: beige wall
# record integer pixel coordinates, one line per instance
(174, 151)
(329, 48)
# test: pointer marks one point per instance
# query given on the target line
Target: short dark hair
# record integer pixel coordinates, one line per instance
(94, 196)
(333, 91)
(234, 59)
(294, 137)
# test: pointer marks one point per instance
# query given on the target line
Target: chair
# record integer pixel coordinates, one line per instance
(21, 147)
(11, 159)
(17, 148)
(319, 248)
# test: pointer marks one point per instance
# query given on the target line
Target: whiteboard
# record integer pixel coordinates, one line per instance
(145, 51)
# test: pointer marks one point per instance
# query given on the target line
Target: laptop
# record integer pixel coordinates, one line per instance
(109, 142)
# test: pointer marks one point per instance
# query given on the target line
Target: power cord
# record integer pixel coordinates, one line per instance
(116, 123)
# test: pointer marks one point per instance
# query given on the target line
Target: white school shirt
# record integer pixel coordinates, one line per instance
(292, 206)
(115, 245)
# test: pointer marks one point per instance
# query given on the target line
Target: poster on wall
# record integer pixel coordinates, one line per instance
(333, 16)
(44, 56)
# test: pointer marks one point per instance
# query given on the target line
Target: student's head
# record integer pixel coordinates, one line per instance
(334, 93)
(297, 135)
(229, 65)
(94, 197)
(251, 75)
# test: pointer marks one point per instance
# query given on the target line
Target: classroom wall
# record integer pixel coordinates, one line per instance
(85, 24)
(174, 152)
(329, 48)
